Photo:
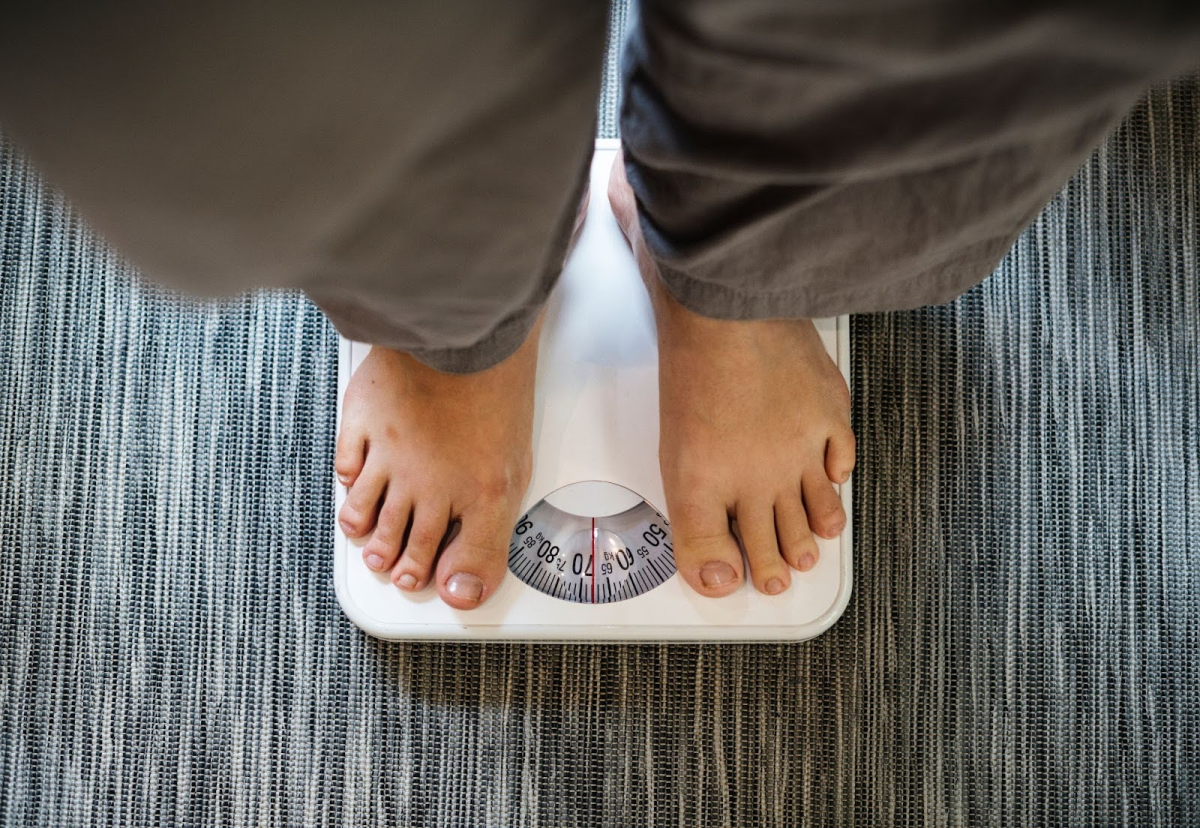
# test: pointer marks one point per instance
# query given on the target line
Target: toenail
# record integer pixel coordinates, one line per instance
(408, 580)
(465, 586)
(717, 573)
(344, 479)
(374, 561)
(774, 586)
(843, 477)
(347, 526)
(807, 562)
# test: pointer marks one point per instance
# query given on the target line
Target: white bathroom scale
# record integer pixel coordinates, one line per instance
(590, 557)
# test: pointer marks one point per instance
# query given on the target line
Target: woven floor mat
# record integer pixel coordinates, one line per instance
(1023, 645)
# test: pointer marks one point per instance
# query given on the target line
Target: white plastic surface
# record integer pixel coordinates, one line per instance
(597, 419)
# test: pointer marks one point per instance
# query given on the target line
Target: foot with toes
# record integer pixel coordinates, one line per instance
(754, 425)
(436, 465)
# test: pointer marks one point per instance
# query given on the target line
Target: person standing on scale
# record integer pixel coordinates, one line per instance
(417, 169)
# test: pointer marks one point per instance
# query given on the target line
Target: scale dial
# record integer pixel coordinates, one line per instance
(592, 542)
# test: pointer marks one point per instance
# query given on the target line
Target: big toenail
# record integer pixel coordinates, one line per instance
(344, 479)
(717, 573)
(374, 561)
(347, 526)
(408, 580)
(807, 562)
(465, 586)
(774, 586)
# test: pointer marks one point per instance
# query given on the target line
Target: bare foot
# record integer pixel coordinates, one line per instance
(754, 425)
(422, 450)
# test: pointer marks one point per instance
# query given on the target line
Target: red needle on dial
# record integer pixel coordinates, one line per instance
(593, 560)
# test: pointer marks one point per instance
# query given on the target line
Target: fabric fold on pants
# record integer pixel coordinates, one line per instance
(801, 160)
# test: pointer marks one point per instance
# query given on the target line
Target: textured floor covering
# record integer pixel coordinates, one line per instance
(1023, 645)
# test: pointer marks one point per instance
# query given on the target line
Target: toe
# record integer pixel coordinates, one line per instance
(796, 541)
(756, 525)
(476, 558)
(706, 554)
(430, 520)
(351, 454)
(383, 549)
(362, 503)
(839, 455)
(822, 505)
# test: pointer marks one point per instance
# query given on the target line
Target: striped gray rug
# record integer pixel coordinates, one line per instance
(1023, 646)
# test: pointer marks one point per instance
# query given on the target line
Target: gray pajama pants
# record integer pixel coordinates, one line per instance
(416, 166)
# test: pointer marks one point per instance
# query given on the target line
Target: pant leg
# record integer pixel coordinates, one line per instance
(799, 159)
(414, 166)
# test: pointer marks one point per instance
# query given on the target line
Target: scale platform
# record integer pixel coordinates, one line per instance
(590, 556)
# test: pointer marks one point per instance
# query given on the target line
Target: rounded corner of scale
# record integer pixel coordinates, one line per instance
(354, 613)
(842, 600)
(835, 611)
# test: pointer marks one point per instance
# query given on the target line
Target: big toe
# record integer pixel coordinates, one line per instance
(707, 556)
(474, 561)
(711, 566)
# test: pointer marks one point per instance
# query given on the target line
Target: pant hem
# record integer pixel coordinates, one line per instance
(499, 345)
(932, 286)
